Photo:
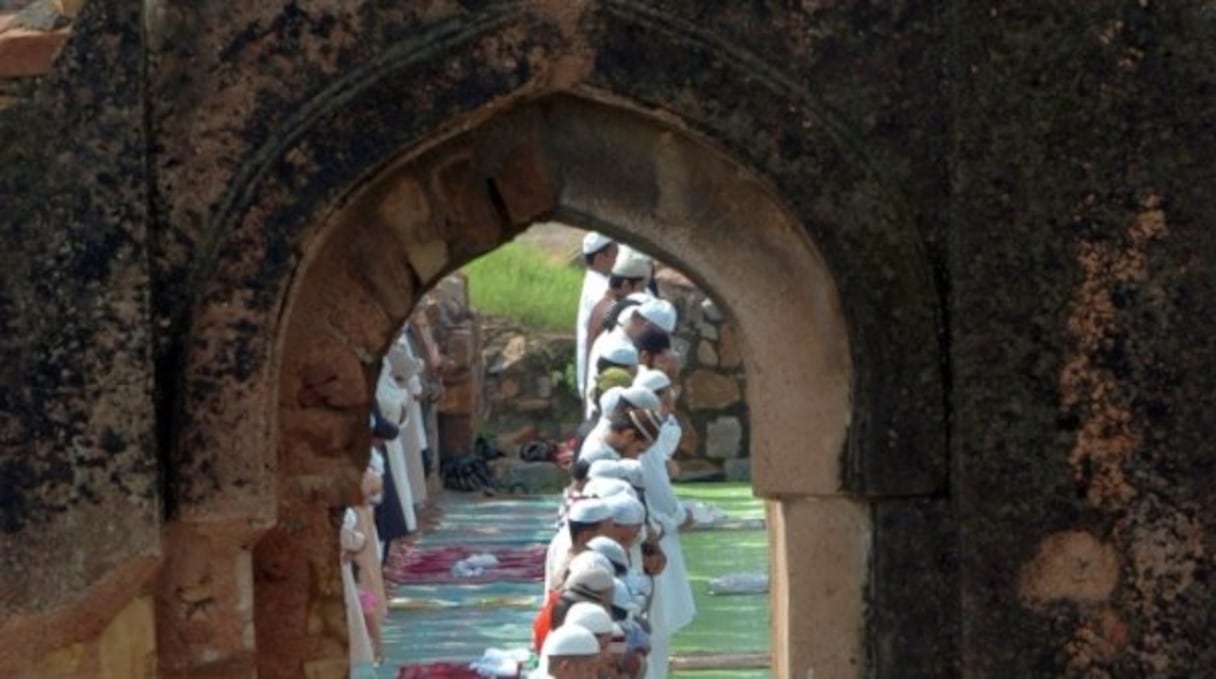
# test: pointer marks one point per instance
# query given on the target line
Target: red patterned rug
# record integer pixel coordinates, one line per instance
(439, 670)
(408, 564)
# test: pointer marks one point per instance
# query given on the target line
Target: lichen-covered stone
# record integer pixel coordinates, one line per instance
(1014, 205)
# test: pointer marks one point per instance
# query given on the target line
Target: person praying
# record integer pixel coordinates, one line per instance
(599, 254)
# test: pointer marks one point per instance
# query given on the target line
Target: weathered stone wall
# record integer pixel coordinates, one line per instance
(459, 332)
(1082, 308)
(1015, 204)
(80, 478)
(713, 387)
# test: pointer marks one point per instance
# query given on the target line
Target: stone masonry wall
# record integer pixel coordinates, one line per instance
(1015, 202)
(712, 407)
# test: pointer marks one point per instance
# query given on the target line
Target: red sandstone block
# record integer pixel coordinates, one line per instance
(25, 52)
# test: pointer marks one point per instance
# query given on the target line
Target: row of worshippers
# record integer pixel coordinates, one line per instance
(617, 546)
(394, 488)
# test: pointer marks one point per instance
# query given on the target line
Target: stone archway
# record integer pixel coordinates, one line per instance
(495, 164)
(587, 164)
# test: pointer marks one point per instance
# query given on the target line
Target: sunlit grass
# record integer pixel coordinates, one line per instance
(522, 283)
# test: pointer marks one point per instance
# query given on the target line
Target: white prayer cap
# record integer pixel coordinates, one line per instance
(622, 598)
(629, 471)
(621, 352)
(631, 264)
(654, 380)
(570, 640)
(589, 510)
(627, 510)
(589, 579)
(589, 560)
(610, 399)
(589, 616)
(636, 299)
(594, 242)
(604, 488)
(610, 549)
(640, 397)
(660, 312)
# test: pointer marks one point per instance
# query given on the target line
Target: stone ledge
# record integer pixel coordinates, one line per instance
(25, 52)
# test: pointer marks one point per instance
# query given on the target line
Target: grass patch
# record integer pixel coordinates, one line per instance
(524, 284)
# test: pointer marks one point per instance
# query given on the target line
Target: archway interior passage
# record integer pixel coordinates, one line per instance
(524, 295)
(591, 166)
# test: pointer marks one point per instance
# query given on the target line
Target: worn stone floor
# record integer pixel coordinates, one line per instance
(456, 622)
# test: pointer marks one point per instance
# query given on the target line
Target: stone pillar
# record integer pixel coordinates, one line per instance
(819, 549)
(205, 601)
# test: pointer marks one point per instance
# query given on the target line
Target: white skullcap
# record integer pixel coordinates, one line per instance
(640, 397)
(588, 560)
(594, 242)
(570, 640)
(660, 312)
(589, 616)
(610, 549)
(638, 299)
(598, 451)
(605, 488)
(610, 399)
(621, 352)
(589, 510)
(631, 264)
(627, 510)
(621, 596)
(590, 578)
(654, 380)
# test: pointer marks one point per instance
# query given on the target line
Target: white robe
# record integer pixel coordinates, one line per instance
(595, 284)
(673, 584)
(672, 606)
(595, 437)
(413, 434)
(391, 399)
(361, 653)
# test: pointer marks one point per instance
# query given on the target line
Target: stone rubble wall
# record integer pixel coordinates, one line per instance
(712, 406)
(458, 332)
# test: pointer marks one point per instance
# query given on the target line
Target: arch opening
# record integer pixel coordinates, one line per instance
(363, 265)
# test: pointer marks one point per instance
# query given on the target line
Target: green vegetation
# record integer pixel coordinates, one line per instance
(524, 284)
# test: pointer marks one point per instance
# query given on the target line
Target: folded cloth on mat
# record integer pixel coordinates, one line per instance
(739, 583)
(504, 664)
(435, 565)
(474, 566)
(705, 514)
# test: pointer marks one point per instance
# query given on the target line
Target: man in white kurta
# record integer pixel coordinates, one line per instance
(392, 395)
(599, 252)
(362, 656)
(413, 431)
(672, 606)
